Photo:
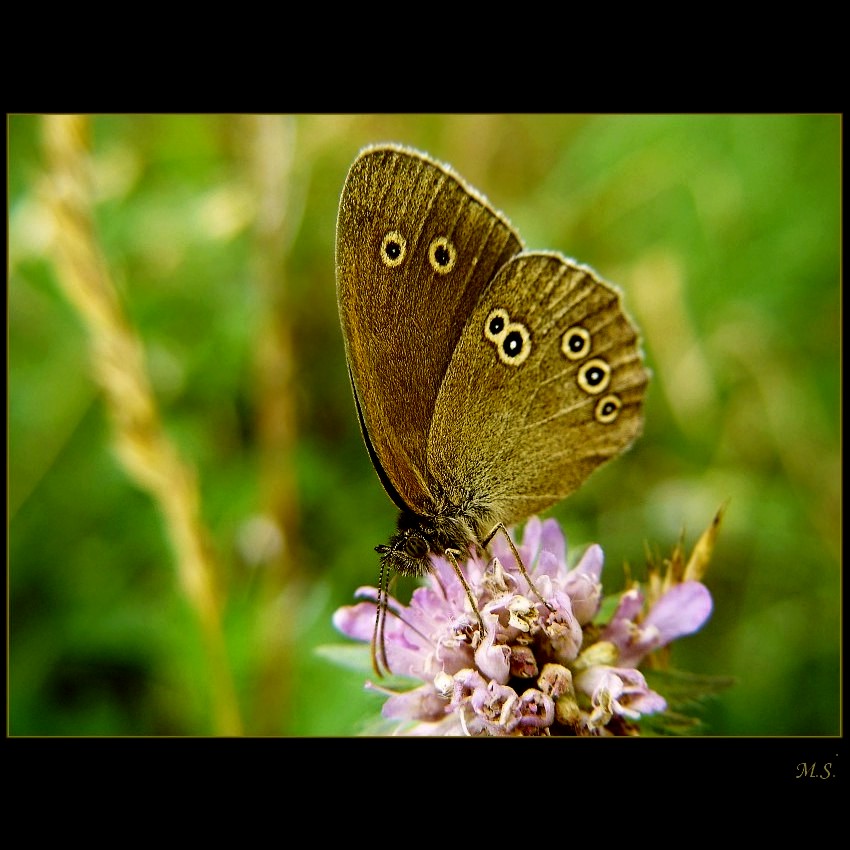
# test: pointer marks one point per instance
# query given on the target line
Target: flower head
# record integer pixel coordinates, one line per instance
(543, 665)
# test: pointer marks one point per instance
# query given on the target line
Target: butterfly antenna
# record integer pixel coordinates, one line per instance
(501, 527)
(378, 647)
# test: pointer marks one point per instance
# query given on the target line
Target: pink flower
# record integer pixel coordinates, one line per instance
(616, 692)
(682, 610)
(539, 668)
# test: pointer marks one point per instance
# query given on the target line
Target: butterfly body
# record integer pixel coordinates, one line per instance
(418, 537)
(489, 381)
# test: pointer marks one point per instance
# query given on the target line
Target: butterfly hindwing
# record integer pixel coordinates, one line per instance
(546, 383)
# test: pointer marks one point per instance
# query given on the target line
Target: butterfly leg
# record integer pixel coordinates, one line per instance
(452, 555)
(501, 527)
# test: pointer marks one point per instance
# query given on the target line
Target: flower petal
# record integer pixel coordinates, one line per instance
(683, 610)
(356, 621)
(493, 660)
(583, 585)
(548, 566)
(536, 709)
(552, 540)
(530, 541)
(591, 562)
(423, 703)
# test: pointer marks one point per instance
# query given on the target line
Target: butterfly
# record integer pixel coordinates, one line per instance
(489, 381)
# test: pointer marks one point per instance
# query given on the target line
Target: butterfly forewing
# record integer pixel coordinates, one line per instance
(546, 383)
(416, 247)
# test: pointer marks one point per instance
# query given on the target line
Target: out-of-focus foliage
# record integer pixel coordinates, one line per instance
(723, 232)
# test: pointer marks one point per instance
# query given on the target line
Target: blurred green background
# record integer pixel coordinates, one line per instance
(723, 232)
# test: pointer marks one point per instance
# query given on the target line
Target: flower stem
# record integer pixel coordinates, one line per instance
(141, 443)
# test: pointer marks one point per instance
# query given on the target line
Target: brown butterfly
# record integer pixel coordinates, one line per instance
(489, 381)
